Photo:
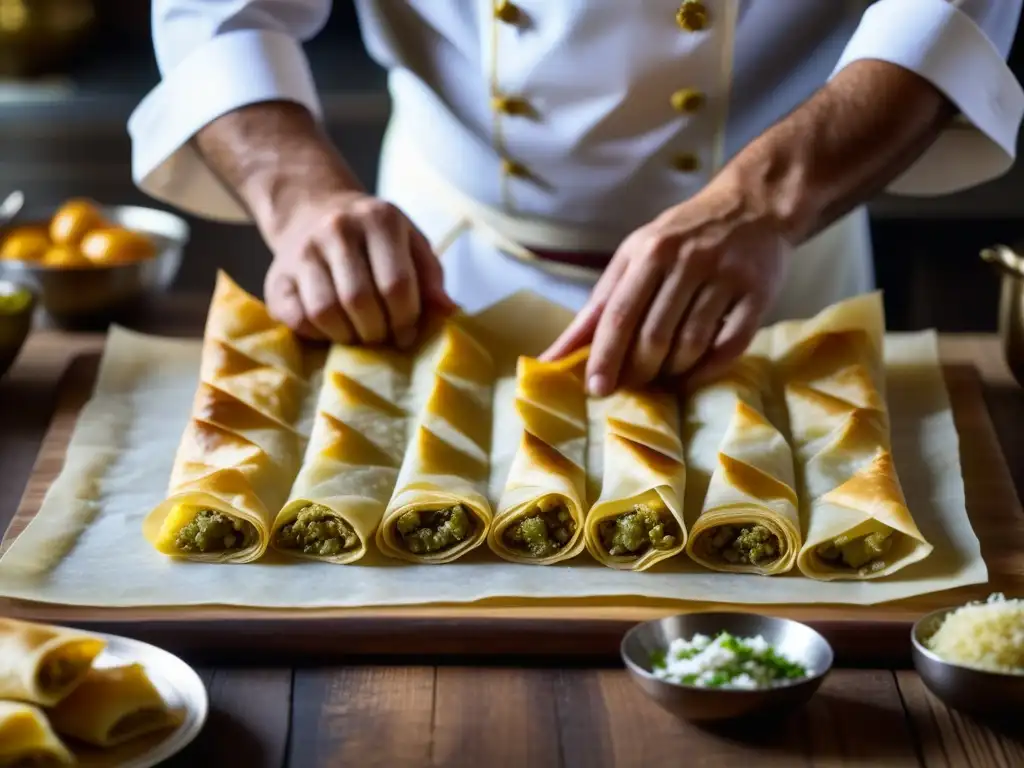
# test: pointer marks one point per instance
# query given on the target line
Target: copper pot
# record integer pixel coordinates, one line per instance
(37, 36)
(1011, 305)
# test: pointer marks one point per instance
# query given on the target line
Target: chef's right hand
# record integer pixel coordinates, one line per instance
(351, 268)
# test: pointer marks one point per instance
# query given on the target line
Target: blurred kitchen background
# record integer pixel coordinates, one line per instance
(62, 135)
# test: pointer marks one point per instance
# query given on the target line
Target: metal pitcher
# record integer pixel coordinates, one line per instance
(1011, 305)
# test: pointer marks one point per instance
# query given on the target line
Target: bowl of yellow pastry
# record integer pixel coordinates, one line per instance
(90, 264)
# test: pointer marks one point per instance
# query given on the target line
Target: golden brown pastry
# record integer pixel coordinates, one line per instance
(832, 371)
(741, 468)
(638, 519)
(41, 664)
(240, 451)
(112, 706)
(542, 508)
(27, 740)
(352, 461)
(439, 510)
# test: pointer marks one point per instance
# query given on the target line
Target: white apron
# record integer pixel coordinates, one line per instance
(484, 261)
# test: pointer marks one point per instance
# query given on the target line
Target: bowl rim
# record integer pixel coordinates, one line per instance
(6, 281)
(14, 267)
(29, 216)
(920, 648)
(635, 667)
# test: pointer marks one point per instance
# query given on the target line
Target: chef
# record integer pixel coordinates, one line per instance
(676, 173)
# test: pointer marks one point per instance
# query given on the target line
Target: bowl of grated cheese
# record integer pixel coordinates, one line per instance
(972, 656)
(724, 665)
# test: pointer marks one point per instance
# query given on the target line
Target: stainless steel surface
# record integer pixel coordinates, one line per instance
(91, 297)
(11, 206)
(179, 686)
(796, 640)
(975, 691)
(14, 328)
(1011, 305)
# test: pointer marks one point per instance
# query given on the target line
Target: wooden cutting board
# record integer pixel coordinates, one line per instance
(861, 635)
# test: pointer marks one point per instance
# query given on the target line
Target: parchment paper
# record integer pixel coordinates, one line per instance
(85, 547)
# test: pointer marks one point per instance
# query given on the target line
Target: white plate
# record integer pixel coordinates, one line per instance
(180, 687)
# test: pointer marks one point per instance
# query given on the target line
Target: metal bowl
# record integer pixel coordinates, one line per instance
(975, 691)
(792, 638)
(92, 297)
(14, 328)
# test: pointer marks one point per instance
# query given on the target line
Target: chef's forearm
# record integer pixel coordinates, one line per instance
(270, 154)
(840, 148)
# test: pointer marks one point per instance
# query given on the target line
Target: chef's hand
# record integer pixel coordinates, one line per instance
(682, 296)
(353, 269)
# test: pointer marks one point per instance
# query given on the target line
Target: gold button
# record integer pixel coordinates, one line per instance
(692, 16)
(511, 105)
(687, 100)
(686, 162)
(508, 12)
(514, 168)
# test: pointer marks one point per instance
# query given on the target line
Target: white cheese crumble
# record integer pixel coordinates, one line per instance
(987, 635)
(726, 662)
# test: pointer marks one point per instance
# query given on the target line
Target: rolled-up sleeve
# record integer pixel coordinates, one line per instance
(961, 48)
(216, 56)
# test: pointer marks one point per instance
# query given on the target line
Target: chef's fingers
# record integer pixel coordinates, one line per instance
(429, 273)
(580, 331)
(284, 304)
(700, 327)
(387, 245)
(618, 324)
(319, 301)
(734, 338)
(346, 253)
(653, 343)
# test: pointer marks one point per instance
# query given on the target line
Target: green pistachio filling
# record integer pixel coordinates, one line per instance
(859, 551)
(317, 530)
(634, 533)
(15, 301)
(434, 531)
(744, 544)
(543, 531)
(212, 531)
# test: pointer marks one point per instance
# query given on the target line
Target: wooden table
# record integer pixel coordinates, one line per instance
(509, 714)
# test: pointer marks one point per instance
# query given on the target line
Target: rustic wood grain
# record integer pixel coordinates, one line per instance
(949, 739)
(576, 718)
(856, 718)
(249, 720)
(512, 715)
(377, 717)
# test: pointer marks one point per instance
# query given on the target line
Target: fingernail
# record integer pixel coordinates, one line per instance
(597, 385)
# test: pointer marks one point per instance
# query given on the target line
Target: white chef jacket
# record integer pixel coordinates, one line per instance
(566, 124)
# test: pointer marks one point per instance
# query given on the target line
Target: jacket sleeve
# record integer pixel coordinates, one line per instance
(960, 46)
(216, 56)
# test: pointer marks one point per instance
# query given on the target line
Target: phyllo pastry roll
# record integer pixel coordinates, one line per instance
(27, 740)
(41, 664)
(637, 520)
(749, 519)
(352, 460)
(240, 450)
(439, 510)
(832, 369)
(111, 706)
(542, 507)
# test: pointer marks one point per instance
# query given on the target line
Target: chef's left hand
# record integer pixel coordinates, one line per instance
(682, 296)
